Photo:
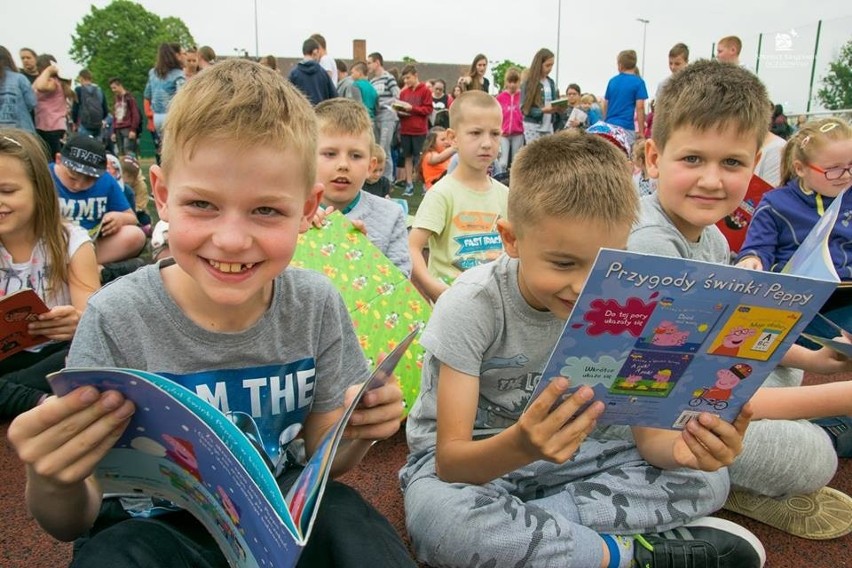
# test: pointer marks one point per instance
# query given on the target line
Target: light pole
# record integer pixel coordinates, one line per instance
(256, 45)
(644, 35)
(558, 35)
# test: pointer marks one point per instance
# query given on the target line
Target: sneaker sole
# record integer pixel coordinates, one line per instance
(735, 529)
(823, 515)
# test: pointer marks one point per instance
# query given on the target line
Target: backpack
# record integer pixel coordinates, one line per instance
(91, 107)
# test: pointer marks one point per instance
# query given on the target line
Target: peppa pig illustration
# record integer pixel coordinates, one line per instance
(732, 342)
(667, 334)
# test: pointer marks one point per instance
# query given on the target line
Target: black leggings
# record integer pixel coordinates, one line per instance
(23, 377)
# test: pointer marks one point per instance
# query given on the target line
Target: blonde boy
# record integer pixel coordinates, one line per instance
(458, 217)
(237, 186)
(728, 50)
(709, 125)
(344, 160)
(376, 183)
(489, 484)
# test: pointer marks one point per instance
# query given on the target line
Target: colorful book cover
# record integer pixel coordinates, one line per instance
(661, 339)
(180, 448)
(734, 226)
(17, 310)
(384, 305)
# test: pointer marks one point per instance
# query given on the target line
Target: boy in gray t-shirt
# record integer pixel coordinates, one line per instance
(710, 123)
(228, 320)
(488, 483)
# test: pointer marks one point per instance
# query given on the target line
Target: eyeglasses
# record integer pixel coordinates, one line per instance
(832, 174)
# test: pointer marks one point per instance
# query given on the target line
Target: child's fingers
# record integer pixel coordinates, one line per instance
(541, 406)
(568, 408)
(576, 431)
(389, 393)
(743, 419)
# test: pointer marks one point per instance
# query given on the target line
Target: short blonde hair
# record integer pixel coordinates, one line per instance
(245, 103)
(468, 100)
(627, 59)
(732, 41)
(588, 98)
(712, 94)
(377, 152)
(571, 175)
(344, 116)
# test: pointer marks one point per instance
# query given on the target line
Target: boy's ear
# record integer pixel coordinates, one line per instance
(160, 191)
(509, 237)
(374, 161)
(451, 137)
(652, 159)
(312, 202)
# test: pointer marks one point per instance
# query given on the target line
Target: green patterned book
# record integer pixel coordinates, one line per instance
(384, 305)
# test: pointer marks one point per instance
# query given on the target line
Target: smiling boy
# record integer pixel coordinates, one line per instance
(237, 186)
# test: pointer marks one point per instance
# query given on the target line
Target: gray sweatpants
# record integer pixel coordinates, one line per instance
(784, 457)
(550, 515)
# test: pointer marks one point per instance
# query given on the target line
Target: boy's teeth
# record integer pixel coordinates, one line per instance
(230, 266)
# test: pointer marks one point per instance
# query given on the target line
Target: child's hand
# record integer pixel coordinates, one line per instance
(556, 435)
(62, 440)
(58, 324)
(709, 443)
(319, 217)
(110, 224)
(751, 262)
(378, 414)
(827, 361)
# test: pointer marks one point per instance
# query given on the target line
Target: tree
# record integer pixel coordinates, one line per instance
(498, 72)
(836, 91)
(408, 60)
(121, 40)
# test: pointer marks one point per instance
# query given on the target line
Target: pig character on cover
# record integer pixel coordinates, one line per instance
(730, 346)
(726, 380)
(667, 334)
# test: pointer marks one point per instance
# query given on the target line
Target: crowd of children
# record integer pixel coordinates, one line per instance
(247, 165)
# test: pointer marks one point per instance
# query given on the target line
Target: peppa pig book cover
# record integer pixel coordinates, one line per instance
(662, 339)
(181, 448)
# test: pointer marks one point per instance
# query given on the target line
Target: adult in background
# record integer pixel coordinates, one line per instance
(326, 61)
(441, 102)
(17, 98)
(164, 81)
(29, 66)
(51, 107)
(127, 120)
(475, 80)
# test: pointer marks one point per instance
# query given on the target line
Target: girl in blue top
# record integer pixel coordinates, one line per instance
(164, 80)
(816, 170)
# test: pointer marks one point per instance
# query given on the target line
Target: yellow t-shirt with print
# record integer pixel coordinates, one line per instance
(464, 226)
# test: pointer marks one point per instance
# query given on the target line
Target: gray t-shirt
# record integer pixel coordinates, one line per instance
(483, 327)
(385, 223)
(298, 358)
(655, 233)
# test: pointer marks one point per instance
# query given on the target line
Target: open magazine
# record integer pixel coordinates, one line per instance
(17, 310)
(181, 448)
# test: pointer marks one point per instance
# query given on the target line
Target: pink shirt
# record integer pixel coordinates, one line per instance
(513, 118)
(50, 108)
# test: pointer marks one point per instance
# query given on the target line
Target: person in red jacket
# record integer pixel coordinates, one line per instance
(128, 120)
(414, 109)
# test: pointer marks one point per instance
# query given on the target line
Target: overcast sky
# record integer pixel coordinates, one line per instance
(589, 34)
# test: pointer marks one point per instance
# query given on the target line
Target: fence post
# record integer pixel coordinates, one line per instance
(759, 46)
(813, 65)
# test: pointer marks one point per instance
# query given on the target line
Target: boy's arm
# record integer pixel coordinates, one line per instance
(824, 361)
(803, 403)
(398, 251)
(640, 117)
(538, 434)
(706, 443)
(438, 157)
(417, 241)
(60, 442)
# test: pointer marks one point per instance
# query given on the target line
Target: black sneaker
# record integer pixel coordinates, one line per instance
(113, 270)
(705, 543)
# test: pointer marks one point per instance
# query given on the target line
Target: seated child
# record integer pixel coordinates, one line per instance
(132, 177)
(41, 252)
(711, 120)
(236, 186)
(376, 183)
(436, 156)
(816, 170)
(589, 105)
(644, 184)
(95, 201)
(487, 483)
(343, 163)
(465, 203)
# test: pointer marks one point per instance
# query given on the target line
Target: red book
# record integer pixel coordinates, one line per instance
(734, 225)
(16, 312)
